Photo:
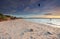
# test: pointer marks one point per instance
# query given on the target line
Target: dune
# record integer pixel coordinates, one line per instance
(21, 29)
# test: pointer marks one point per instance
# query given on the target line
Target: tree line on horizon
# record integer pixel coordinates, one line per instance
(6, 17)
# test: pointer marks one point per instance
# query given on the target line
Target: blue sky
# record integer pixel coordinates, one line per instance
(29, 7)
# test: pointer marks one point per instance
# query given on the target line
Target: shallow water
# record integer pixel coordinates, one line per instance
(52, 21)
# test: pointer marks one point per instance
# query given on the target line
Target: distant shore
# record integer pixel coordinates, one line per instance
(6, 17)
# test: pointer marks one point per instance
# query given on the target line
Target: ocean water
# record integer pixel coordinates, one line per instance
(47, 21)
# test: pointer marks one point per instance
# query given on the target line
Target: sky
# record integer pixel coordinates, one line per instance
(29, 7)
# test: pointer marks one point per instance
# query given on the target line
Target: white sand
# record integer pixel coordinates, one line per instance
(20, 29)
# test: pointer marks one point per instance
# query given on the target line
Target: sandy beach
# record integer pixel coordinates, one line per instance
(21, 29)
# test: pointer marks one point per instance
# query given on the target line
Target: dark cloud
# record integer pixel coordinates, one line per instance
(24, 7)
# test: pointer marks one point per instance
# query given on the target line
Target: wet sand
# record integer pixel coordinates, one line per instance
(21, 29)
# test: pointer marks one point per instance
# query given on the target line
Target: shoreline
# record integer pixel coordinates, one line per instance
(55, 26)
(20, 29)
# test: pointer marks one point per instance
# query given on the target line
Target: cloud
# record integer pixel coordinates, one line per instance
(30, 6)
(47, 6)
(34, 1)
